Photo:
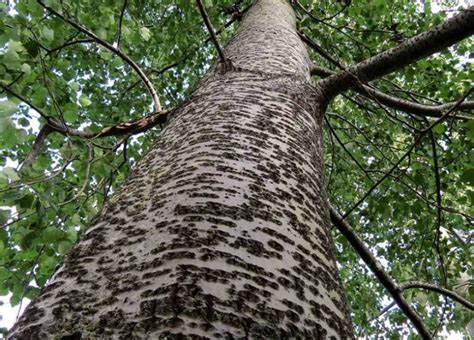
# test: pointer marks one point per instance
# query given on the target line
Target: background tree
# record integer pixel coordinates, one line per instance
(92, 77)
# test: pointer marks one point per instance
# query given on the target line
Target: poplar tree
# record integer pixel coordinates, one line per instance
(199, 168)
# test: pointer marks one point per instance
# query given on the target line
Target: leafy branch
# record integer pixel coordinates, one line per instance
(408, 152)
(110, 47)
(54, 125)
(409, 51)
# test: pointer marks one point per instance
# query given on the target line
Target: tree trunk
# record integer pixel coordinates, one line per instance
(222, 230)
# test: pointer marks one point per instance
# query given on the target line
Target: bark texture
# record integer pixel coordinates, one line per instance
(222, 230)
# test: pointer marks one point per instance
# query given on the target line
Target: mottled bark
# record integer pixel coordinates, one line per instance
(221, 231)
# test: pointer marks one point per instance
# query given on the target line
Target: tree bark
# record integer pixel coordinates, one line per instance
(222, 230)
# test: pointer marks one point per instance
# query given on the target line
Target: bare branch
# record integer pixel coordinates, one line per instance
(130, 127)
(123, 56)
(399, 103)
(377, 269)
(212, 33)
(449, 293)
(54, 125)
(422, 45)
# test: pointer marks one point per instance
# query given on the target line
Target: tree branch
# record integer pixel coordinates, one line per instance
(399, 103)
(422, 45)
(38, 144)
(123, 56)
(69, 43)
(55, 125)
(212, 33)
(377, 269)
(119, 34)
(453, 295)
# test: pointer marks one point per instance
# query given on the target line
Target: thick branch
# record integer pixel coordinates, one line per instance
(399, 103)
(377, 269)
(130, 127)
(453, 295)
(127, 128)
(422, 45)
(123, 56)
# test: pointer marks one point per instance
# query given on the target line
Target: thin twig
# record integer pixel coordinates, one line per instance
(449, 293)
(119, 34)
(212, 33)
(345, 149)
(69, 43)
(439, 214)
(28, 279)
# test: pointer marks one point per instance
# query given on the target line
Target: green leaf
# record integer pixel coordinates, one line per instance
(33, 48)
(4, 216)
(25, 68)
(47, 33)
(64, 247)
(11, 59)
(70, 116)
(75, 86)
(7, 107)
(468, 176)
(439, 129)
(84, 101)
(9, 173)
(4, 274)
(16, 46)
(208, 3)
(52, 235)
(145, 33)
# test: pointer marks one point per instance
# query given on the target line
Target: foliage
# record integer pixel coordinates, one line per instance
(68, 76)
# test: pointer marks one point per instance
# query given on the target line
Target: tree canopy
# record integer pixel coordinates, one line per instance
(86, 85)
